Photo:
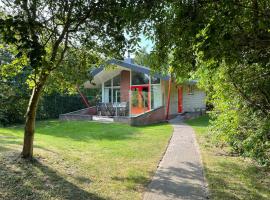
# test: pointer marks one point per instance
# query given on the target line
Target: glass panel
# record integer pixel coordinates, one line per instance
(116, 95)
(107, 95)
(139, 100)
(155, 80)
(156, 96)
(139, 78)
(190, 89)
(108, 83)
(116, 80)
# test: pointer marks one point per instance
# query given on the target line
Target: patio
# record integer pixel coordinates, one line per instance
(112, 109)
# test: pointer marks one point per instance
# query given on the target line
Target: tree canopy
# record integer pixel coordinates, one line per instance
(57, 41)
(226, 46)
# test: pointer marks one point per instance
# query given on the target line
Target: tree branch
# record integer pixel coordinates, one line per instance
(62, 35)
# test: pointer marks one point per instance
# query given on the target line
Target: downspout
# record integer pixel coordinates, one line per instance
(168, 100)
(83, 97)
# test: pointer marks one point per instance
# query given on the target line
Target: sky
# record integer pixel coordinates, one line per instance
(146, 43)
(149, 44)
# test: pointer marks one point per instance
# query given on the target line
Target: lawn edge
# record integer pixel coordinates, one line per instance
(198, 149)
(158, 164)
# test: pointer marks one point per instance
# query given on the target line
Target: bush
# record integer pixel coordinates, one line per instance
(13, 108)
(240, 97)
(53, 105)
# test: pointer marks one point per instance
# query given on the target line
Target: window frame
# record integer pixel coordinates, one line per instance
(111, 90)
(190, 89)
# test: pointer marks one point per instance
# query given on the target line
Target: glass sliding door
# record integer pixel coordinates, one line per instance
(116, 95)
(140, 99)
(111, 90)
(156, 96)
(140, 93)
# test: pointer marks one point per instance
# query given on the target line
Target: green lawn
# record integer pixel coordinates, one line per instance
(229, 177)
(81, 160)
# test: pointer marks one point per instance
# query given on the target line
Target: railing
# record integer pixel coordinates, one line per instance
(113, 109)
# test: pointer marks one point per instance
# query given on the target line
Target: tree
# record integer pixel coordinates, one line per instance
(226, 45)
(42, 33)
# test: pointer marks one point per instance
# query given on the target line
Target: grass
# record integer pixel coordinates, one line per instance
(229, 177)
(81, 160)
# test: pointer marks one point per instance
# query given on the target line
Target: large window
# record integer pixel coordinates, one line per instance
(139, 99)
(155, 80)
(156, 96)
(145, 93)
(116, 80)
(107, 95)
(112, 90)
(108, 83)
(116, 95)
(140, 95)
(139, 78)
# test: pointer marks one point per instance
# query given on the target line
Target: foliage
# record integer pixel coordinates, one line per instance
(150, 59)
(47, 32)
(243, 126)
(224, 44)
(51, 106)
(229, 177)
(57, 41)
(15, 93)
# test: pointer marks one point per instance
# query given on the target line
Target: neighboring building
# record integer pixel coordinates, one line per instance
(146, 94)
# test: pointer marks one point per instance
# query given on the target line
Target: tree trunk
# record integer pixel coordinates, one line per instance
(29, 128)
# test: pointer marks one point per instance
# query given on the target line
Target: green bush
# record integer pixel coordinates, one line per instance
(53, 105)
(241, 117)
(13, 108)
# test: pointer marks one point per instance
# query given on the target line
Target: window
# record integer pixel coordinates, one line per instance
(116, 80)
(112, 90)
(108, 83)
(156, 96)
(155, 80)
(139, 78)
(139, 99)
(116, 95)
(190, 89)
(107, 95)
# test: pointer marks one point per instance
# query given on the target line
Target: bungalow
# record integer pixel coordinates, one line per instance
(146, 97)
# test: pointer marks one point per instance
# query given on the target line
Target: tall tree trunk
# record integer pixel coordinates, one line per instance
(29, 129)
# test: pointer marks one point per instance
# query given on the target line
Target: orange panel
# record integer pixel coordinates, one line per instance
(180, 99)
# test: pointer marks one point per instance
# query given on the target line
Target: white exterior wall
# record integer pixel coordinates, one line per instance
(193, 101)
(173, 98)
(190, 101)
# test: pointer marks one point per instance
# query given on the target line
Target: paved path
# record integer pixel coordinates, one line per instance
(180, 173)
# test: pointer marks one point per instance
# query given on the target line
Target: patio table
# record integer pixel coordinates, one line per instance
(119, 106)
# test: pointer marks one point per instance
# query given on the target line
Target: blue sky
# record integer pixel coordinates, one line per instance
(144, 43)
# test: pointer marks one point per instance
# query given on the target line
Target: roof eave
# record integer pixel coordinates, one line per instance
(131, 66)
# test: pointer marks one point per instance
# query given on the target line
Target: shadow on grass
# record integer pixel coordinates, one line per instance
(9, 141)
(231, 181)
(24, 180)
(201, 122)
(85, 131)
(3, 149)
(177, 183)
(134, 181)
